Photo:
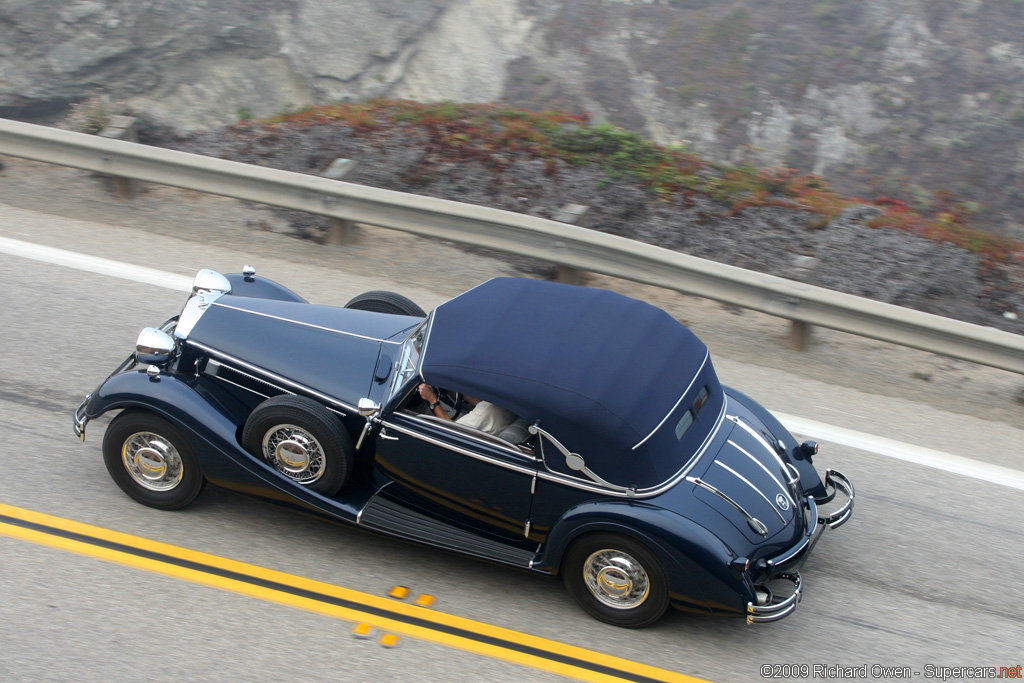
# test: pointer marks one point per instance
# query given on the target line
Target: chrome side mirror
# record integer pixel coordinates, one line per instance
(154, 347)
(207, 280)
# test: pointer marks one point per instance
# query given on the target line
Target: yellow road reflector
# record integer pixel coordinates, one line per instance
(400, 592)
(362, 631)
(424, 600)
(389, 640)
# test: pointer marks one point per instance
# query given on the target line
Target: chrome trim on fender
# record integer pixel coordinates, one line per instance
(755, 523)
(785, 490)
(775, 454)
(747, 482)
(231, 359)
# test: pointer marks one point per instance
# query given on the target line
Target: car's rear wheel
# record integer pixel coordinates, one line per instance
(380, 301)
(616, 579)
(151, 461)
(302, 440)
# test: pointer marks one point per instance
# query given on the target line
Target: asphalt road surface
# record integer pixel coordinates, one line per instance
(927, 573)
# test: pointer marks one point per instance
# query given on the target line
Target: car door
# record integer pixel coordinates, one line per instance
(471, 480)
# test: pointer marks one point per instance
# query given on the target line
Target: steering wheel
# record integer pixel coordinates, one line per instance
(451, 401)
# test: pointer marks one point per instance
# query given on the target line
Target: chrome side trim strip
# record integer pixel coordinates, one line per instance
(565, 480)
(299, 322)
(277, 378)
(747, 482)
(463, 431)
(457, 449)
(707, 354)
(767, 471)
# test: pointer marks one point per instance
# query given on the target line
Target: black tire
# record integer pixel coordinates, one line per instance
(302, 440)
(596, 565)
(380, 301)
(151, 460)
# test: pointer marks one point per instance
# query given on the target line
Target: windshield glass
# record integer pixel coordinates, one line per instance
(409, 361)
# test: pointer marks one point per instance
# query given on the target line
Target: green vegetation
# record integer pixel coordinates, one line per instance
(488, 133)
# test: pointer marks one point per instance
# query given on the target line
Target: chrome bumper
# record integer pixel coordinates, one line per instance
(786, 567)
(841, 484)
(81, 419)
(772, 610)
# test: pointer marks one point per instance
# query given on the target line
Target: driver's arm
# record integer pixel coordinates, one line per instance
(428, 394)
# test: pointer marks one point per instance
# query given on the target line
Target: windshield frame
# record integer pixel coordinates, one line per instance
(408, 364)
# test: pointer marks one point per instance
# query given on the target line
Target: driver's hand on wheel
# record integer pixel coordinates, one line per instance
(427, 393)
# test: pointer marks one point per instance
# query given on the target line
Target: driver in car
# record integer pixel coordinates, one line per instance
(484, 416)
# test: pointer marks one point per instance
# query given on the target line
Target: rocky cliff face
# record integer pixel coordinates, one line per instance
(895, 97)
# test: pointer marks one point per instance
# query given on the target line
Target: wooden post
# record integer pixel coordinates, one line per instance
(339, 230)
(800, 331)
(122, 128)
(572, 214)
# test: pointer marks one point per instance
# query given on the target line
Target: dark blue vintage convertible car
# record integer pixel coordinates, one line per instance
(624, 466)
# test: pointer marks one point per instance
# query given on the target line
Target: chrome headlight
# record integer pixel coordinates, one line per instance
(154, 346)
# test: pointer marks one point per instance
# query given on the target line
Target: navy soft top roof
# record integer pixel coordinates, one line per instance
(600, 370)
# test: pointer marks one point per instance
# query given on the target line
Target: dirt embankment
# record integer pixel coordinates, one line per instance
(882, 263)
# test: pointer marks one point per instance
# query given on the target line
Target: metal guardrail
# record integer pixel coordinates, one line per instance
(559, 243)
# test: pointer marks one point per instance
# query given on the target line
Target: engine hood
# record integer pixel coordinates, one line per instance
(334, 351)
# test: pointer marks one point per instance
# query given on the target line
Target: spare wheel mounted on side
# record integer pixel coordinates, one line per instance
(302, 440)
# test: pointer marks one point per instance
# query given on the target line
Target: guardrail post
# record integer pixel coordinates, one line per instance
(800, 331)
(339, 230)
(122, 128)
(571, 214)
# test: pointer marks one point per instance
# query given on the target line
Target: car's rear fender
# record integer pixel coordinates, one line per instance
(696, 561)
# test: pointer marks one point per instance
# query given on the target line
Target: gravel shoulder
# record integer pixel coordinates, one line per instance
(750, 349)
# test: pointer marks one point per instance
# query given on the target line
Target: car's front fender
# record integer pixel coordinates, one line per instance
(211, 424)
(695, 560)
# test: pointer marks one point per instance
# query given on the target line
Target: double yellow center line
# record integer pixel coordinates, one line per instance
(287, 589)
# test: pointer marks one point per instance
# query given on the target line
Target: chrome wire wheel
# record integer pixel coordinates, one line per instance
(152, 461)
(616, 579)
(294, 452)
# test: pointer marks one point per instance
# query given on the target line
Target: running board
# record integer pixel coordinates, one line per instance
(387, 516)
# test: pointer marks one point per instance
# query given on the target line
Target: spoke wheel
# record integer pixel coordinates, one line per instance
(302, 440)
(295, 452)
(616, 580)
(150, 459)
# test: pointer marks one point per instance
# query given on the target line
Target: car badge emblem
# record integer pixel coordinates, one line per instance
(782, 502)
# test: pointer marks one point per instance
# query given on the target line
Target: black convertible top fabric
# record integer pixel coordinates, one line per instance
(600, 371)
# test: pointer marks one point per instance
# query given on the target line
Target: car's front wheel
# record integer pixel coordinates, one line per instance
(302, 440)
(150, 459)
(616, 580)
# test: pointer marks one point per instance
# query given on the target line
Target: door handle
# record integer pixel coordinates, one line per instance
(384, 435)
